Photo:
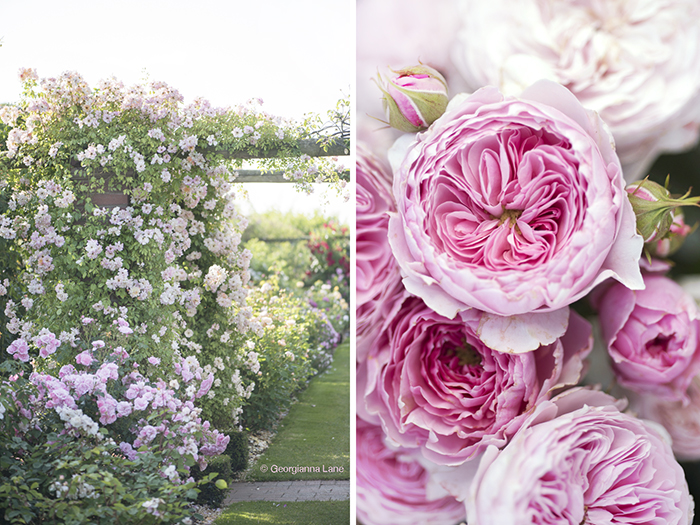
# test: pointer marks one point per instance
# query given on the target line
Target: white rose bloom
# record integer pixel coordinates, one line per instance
(635, 62)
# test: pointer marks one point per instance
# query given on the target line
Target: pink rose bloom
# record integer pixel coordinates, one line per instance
(378, 282)
(435, 385)
(633, 62)
(107, 406)
(82, 384)
(205, 386)
(128, 450)
(216, 444)
(580, 460)
(84, 358)
(651, 336)
(681, 420)
(124, 327)
(47, 343)
(141, 403)
(108, 371)
(19, 349)
(154, 361)
(123, 408)
(511, 205)
(392, 486)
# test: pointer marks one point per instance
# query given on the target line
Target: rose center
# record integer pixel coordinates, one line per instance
(465, 355)
(509, 215)
(659, 344)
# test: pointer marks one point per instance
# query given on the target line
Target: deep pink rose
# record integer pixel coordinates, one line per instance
(511, 205)
(651, 336)
(580, 460)
(681, 420)
(392, 486)
(378, 282)
(436, 386)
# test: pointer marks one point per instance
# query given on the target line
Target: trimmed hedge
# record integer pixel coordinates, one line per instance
(237, 450)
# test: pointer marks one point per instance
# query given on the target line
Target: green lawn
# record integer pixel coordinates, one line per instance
(315, 435)
(291, 513)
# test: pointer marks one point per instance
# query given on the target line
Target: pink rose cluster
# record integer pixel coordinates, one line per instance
(504, 212)
(159, 413)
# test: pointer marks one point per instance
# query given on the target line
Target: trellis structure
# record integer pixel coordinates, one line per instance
(113, 197)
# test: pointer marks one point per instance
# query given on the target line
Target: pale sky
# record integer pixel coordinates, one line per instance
(297, 55)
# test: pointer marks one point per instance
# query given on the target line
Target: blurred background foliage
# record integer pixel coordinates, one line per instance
(684, 171)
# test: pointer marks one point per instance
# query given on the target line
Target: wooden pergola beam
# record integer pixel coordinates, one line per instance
(310, 147)
(271, 176)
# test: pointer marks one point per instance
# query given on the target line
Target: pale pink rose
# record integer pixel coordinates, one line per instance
(19, 349)
(205, 386)
(511, 205)
(377, 279)
(681, 420)
(107, 406)
(47, 343)
(580, 460)
(651, 336)
(634, 62)
(84, 358)
(392, 487)
(434, 385)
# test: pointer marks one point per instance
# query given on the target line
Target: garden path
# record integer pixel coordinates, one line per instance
(298, 490)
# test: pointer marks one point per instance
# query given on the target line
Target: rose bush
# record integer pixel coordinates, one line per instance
(436, 386)
(632, 62)
(580, 460)
(102, 441)
(652, 336)
(297, 342)
(392, 487)
(511, 205)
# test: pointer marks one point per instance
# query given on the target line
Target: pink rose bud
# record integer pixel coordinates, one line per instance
(652, 336)
(414, 98)
(658, 217)
(673, 240)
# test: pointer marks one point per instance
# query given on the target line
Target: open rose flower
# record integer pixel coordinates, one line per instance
(434, 385)
(511, 205)
(392, 487)
(577, 461)
(633, 62)
(681, 420)
(651, 336)
(378, 281)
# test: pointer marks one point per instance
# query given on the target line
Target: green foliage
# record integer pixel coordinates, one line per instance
(282, 354)
(219, 468)
(237, 450)
(292, 258)
(10, 269)
(56, 479)
(316, 432)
